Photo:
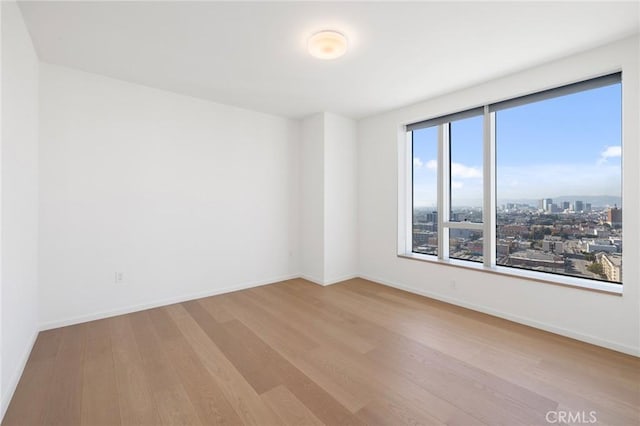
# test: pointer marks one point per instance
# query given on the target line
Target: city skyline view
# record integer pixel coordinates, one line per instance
(601, 201)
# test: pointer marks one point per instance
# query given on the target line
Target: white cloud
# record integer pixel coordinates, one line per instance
(465, 172)
(456, 184)
(610, 152)
(458, 170)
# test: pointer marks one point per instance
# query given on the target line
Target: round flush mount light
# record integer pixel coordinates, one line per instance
(327, 45)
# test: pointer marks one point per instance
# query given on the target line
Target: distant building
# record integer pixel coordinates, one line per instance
(601, 246)
(553, 244)
(611, 266)
(475, 247)
(432, 217)
(533, 259)
(566, 205)
(461, 233)
(428, 226)
(587, 207)
(514, 230)
(614, 216)
(553, 208)
(420, 237)
(578, 206)
(616, 242)
(546, 204)
(502, 249)
(523, 245)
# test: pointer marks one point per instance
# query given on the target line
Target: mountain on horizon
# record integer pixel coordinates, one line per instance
(594, 200)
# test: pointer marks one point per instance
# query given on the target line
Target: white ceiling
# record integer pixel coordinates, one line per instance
(253, 55)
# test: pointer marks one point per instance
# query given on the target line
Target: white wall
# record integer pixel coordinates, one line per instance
(341, 198)
(185, 197)
(603, 319)
(329, 198)
(312, 198)
(19, 198)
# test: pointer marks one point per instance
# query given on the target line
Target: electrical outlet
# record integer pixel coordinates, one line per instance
(119, 278)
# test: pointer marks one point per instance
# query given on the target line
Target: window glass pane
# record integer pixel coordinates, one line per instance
(425, 190)
(559, 174)
(466, 170)
(465, 244)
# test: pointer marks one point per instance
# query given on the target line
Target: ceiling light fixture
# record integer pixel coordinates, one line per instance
(327, 45)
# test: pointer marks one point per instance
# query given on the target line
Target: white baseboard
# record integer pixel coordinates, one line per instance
(340, 279)
(157, 303)
(325, 283)
(311, 279)
(630, 350)
(15, 378)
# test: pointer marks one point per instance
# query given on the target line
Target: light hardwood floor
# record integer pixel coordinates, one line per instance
(296, 353)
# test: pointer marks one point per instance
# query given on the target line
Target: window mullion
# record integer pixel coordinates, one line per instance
(444, 193)
(406, 212)
(489, 182)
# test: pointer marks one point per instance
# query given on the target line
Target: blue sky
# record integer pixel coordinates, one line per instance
(568, 145)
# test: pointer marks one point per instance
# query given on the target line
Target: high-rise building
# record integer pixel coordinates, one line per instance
(587, 207)
(546, 204)
(566, 205)
(578, 206)
(614, 216)
(611, 266)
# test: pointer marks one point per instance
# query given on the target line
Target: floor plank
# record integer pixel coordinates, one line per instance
(289, 408)
(137, 406)
(217, 309)
(173, 404)
(208, 400)
(325, 329)
(65, 398)
(248, 363)
(245, 401)
(100, 405)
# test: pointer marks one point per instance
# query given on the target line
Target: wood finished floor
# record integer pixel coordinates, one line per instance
(294, 353)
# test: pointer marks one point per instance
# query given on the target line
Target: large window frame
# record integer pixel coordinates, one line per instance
(489, 204)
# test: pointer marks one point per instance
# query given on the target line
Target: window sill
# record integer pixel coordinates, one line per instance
(575, 282)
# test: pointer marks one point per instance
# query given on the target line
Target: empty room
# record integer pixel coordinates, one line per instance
(320, 213)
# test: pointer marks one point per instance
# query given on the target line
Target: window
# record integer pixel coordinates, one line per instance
(531, 183)
(425, 200)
